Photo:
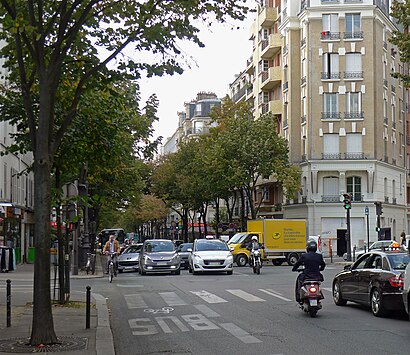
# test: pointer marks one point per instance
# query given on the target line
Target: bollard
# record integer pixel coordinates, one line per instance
(8, 295)
(331, 254)
(87, 308)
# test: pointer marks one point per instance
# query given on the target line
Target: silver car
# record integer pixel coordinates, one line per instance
(210, 255)
(129, 258)
(159, 255)
(183, 252)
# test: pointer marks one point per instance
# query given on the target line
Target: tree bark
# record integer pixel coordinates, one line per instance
(42, 326)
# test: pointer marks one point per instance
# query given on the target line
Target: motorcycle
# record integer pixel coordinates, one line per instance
(256, 261)
(310, 296)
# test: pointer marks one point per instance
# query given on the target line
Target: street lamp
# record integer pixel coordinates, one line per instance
(366, 212)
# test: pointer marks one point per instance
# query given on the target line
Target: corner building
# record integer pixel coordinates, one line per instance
(343, 113)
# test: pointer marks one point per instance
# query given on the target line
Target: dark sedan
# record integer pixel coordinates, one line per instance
(375, 280)
(183, 252)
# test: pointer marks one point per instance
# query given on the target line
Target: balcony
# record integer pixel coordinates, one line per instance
(268, 16)
(329, 36)
(271, 46)
(353, 75)
(249, 89)
(238, 95)
(330, 115)
(354, 156)
(331, 156)
(249, 66)
(353, 35)
(354, 115)
(275, 106)
(264, 108)
(330, 75)
(330, 198)
(271, 78)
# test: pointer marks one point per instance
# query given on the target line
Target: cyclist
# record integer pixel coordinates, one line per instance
(112, 247)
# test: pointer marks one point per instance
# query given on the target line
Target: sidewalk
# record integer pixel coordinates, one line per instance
(69, 322)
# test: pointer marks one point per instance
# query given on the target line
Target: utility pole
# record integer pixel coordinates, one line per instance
(379, 212)
(347, 205)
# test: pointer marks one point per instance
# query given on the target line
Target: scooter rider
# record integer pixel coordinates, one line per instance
(253, 245)
(313, 263)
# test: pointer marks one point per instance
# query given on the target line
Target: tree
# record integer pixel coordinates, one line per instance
(52, 42)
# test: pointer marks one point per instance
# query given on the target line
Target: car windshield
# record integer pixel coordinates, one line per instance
(237, 238)
(398, 261)
(184, 247)
(209, 245)
(132, 249)
(156, 246)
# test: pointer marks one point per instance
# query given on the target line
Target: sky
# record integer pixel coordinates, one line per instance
(212, 69)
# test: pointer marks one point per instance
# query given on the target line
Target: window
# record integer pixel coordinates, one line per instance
(330, 105)
(354, 146)
(361, 262)
(331, 146)
(352, 26)
(353, 66)
(263, 66)
(354, 105)
(330, 66)
(331, 188)
(198, 109)
(330, 23)
(354, 187)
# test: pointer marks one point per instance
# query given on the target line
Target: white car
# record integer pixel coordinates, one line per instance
(380, 244)
(406, 289)
(210, 255)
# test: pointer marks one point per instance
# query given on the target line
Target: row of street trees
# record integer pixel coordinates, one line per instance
(228, 161)
(57, 53)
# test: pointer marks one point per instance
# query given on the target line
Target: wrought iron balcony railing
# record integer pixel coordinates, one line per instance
(330, 75)
(354, 115)
(353, 35)
(329, 36)
(353, 75)
(330, 115)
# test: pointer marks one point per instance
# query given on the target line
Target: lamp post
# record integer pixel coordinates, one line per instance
(366, 212)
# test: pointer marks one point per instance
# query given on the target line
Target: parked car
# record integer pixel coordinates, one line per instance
(375, 279)
(183, 252)
(128, 259)
(210, 255)
(379, 245)
(159, 255)
(406, 289)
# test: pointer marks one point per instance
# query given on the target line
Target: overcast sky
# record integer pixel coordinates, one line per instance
(213, 68)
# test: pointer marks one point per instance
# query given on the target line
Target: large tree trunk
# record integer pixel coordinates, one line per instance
(42, 326)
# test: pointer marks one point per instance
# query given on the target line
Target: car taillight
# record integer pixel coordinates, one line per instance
(396, 281)
(312, 289)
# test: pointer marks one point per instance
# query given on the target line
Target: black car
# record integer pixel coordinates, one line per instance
(375, 280)
(183, 252)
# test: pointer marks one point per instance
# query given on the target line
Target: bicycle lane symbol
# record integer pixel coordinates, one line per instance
(163, 310)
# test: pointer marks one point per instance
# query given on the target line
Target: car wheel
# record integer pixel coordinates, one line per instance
(120, 271)
(177, 272)
(376, 303)
(241, 260)
(337, 295)
(189, 269)
(293, 259)
(230, 272)
(277, 262)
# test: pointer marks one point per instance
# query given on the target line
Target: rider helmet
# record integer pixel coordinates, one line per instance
(311, 246)
(255, 238)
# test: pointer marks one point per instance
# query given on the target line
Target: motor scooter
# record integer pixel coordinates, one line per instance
(310, 296)
(256, 261)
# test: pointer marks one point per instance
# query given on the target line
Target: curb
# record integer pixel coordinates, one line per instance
(104, 339)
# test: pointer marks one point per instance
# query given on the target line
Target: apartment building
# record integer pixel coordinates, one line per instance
(323, 67)
(16, 193)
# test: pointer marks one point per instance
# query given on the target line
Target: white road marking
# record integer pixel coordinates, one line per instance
(208, 312)
(209, 297)
(327, 289)
(240, 333)
(246, 296)
(274, 294)
(164, 326)
(172, 299)
(135, 301)
(129, 286)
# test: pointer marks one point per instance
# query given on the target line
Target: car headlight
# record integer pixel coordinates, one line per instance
(175, 257)
(196, 256)
(147, 258)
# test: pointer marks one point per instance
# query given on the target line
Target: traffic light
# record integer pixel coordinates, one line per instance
(347, 201)
(379, 208)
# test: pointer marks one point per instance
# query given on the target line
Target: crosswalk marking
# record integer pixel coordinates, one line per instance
(209, 297)
(274, 294)
(240, 333)
(206, 311)
(246, 296)
(172, 299)
(135, 301)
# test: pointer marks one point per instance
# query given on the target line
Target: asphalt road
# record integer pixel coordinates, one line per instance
(239, 314)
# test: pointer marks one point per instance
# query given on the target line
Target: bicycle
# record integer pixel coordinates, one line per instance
(90, 265)
(112, 270)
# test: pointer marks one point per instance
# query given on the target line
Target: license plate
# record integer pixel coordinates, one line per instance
(214, 263)
(313, 302)
(161, 263)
